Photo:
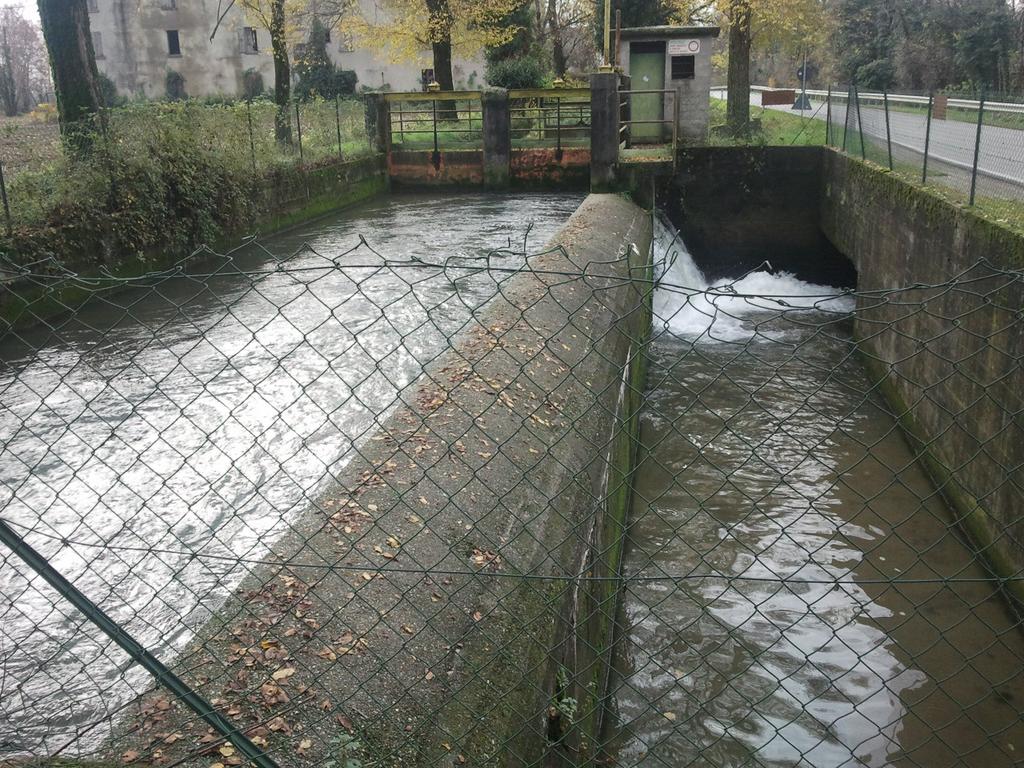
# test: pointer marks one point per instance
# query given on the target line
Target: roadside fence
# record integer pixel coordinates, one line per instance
(970, 149)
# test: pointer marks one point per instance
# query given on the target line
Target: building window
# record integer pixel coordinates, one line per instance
(173, 43)
(683, 67)
(250, 42)
(97, 44)
(94, 6)
(327, 35)
(168, 5)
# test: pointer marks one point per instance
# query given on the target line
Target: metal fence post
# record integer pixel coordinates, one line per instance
(337, 122)
(927, 138)
(888, 127)
(977, 147)
(7, 206)
(298, 125)
(860, 123)
(846, 116)
(828, 117)
(436, 157)
(558, 128)
(164, 676)
(252, 140)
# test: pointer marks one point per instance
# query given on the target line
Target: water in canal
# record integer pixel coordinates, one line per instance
(199, 415)
(771, 464)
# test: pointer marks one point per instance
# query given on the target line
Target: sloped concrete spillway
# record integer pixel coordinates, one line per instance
(776, 501)
(204, 415)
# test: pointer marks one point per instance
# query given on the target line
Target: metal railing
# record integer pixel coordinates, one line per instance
(665, 133)
(546, 117)
(436, 120)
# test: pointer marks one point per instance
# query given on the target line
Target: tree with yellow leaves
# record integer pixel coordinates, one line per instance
(406, 28)
(793, 24)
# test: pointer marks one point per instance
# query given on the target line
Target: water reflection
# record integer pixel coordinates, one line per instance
(200, 415)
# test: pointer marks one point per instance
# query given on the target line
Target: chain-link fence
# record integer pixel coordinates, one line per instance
(970, 149)
(344, 510)
(236, 138)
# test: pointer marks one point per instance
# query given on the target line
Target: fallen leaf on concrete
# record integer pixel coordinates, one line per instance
(284, 673)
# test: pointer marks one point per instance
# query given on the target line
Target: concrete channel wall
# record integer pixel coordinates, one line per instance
(504, 472)
(950, 360)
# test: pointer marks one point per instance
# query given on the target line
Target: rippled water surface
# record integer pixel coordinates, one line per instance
(199, 415)
(772, 464)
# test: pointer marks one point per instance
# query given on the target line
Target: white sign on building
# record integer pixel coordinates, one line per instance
(684, 47)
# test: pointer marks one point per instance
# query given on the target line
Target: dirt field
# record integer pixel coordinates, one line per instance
(27, 145)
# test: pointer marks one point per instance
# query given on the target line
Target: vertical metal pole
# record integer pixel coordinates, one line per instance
(888, 127)
(846, 116)
(337, 121)
(927, 138)
(977, 147)
(607, 32)
(558, 129)
(828, 117)
(437, 151)
(298, 125)
(7, 206)
(860, 123)
(252, 141)
(132, 647)
(803, 87)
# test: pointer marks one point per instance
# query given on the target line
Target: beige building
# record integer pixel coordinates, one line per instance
(138, 41)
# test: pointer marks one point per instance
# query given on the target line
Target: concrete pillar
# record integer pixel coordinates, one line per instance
(604, 130)
(378, 121)
(497, 138)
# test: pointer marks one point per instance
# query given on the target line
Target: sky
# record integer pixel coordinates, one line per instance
(30, 7)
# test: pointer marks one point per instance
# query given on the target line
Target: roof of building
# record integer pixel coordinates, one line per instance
(668, 32)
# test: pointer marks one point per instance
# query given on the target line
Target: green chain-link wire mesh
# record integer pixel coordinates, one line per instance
(374, 511)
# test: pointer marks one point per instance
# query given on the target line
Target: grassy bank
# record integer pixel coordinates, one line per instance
(169, 176)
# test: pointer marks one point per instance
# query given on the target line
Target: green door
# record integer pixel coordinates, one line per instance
(647, 73)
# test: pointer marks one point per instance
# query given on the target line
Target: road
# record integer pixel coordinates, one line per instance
(950, 149)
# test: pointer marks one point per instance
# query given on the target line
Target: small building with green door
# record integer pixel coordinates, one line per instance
(675, 63)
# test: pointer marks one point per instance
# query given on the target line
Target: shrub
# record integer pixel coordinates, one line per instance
(108, 92)
(318, 76)
(252, 84)
(175, 86)
(523, 72)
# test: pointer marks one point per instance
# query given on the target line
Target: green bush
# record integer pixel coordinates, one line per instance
(109, 94)
(318, 76)
(252, 84)
(523, 72)
(174, 86)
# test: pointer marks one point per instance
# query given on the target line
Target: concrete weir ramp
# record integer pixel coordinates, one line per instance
(425, 610)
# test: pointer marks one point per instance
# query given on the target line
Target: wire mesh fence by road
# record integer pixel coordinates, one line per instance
(969, 150)
(374, 512)
(236, 138)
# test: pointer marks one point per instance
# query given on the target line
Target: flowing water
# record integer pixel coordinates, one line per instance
(782, 501)
(200, 415)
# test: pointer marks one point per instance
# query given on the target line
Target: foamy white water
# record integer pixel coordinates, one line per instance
(729, 310)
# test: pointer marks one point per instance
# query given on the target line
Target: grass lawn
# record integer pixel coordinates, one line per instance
(777, 128)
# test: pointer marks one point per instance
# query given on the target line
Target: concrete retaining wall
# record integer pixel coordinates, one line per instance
(502, 471)
(948, 360)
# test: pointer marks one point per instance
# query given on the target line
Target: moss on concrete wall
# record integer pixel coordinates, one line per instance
(940, 329)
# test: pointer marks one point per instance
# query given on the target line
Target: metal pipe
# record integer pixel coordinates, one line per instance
(927, 138)
(132, 647)
(888, 128)
(7, 205)
(860, 123)
(977, 147)
(298, 125)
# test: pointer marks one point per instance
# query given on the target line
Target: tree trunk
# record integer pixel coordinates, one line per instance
(282, 74)
(440, 20)
(557, 45)
(75, 77)
(738, 105)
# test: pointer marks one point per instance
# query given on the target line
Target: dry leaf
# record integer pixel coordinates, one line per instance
(284, 673)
